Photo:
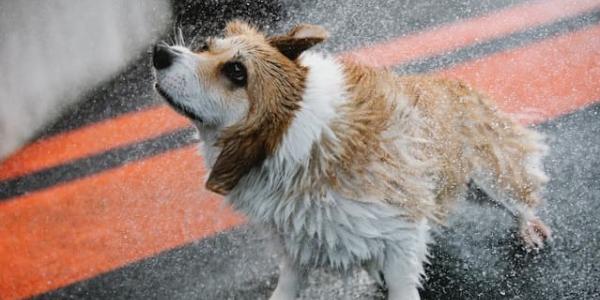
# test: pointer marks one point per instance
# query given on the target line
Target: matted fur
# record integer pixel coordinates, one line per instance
(348, 165)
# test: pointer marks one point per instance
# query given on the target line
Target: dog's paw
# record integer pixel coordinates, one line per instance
(534, 233)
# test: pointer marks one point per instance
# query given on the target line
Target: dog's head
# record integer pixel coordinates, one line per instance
(245, 85)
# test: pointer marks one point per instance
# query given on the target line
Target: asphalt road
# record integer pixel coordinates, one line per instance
(475, 257)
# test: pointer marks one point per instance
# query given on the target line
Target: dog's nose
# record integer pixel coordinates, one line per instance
(163, 56)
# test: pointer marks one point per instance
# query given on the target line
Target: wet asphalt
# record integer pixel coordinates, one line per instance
(475, 257)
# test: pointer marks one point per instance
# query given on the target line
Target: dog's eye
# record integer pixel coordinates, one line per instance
(235, 71)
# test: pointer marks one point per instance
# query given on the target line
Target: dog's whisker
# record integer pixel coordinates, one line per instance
(180, 35)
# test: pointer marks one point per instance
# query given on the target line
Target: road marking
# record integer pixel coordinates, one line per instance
(105, 221)
(137, 126)
(96, 163)
(95, 138)
(542, 81)
(68, 233)
(463, 33)
(496, 45)
(72, 232)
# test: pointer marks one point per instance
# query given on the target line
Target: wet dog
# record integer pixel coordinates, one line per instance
(349, 166)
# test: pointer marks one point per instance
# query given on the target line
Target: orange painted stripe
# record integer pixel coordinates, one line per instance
(96, 138)
(72, 232)
(464, 33)
(134, 127)
(544, 80)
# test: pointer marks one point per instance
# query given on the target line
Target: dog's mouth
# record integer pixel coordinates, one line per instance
(177, 106)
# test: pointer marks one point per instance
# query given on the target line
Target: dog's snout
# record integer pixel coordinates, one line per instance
(163, 56)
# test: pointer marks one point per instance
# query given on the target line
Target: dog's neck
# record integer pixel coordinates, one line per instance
(325, 90)
(209, 135)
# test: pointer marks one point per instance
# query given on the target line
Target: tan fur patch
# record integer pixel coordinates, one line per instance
(239, 27)
(371, 164)
(412, 142)
(272, 107)
(462, 118)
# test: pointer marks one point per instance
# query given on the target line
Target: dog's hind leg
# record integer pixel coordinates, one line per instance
(513, 176)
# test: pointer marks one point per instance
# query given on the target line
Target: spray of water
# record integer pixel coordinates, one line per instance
(52, 51)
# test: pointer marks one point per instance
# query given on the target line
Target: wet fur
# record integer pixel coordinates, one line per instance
(349, 166)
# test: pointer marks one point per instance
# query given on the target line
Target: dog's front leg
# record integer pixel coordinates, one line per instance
(401, 274)
(289, 280)
(403, 265)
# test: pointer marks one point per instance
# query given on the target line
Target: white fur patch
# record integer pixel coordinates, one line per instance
(330, 230)
(325, 91)
(187, 88)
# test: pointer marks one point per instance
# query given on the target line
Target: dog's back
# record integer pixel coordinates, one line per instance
(457, 131)
(474, 140)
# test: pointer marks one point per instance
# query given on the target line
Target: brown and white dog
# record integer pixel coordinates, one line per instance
(348, 165)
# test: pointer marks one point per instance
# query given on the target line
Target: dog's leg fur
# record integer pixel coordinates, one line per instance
(532, 230)
(403, 265)
(515, 179)
(290, 278)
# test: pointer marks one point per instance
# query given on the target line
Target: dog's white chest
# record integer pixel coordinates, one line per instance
(330, 232)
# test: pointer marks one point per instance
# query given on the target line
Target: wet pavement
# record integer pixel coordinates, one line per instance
(475, 257)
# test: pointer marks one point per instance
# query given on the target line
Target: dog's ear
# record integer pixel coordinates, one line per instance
(241, 151)
(299, 39)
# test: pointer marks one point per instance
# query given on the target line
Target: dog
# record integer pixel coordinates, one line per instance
(347, 165)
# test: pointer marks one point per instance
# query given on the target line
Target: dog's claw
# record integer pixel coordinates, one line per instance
(534, 233)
